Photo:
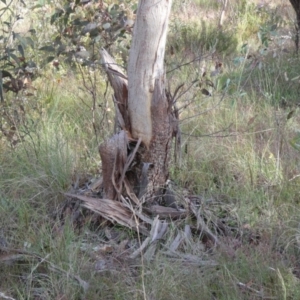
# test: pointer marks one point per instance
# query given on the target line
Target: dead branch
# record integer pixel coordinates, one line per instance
(187, 63)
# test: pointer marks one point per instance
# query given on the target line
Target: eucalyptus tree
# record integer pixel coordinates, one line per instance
(296, 6)
(136, 159)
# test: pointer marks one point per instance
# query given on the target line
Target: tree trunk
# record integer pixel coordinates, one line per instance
(136, 160)
(296, 6)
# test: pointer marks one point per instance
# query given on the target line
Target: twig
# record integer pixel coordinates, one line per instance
(233, 134)
(211, 134)
(258, 293)
(7, 7)
(184, 92)
(135, 212)
(178, 88)
(188, 102)
(130, 159)
(2, 295)
(222, 16)
(294, 177)
(93, 92)
(178, 67)
(205, 111)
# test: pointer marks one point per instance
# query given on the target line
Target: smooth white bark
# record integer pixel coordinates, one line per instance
(146, 63)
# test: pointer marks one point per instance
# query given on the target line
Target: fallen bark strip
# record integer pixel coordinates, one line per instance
(189, 258)
(201, 225)
(204, 229)
(157, 233)
(111, 210)
(165, 212)
(177, 241)
(137, 252)
(158, 230)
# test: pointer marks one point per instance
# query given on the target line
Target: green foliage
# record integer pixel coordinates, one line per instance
(15, 64)
(83, 29)
(26, 55)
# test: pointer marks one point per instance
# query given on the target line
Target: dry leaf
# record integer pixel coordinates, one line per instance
(205, 92)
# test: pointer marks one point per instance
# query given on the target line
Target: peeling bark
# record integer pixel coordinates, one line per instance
(145, 66)
(158, 152)
(296, 6)
(113, 154)
(119, 83)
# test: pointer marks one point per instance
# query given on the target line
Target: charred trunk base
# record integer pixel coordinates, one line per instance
(154, 164)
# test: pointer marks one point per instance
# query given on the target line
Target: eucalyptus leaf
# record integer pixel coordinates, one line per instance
(78, 22)
(20, 38)
(295, 142)
(89, 28)
(21, 50)
(31, 64)
(1, 88)
(56, 15)
(30, 42)
(48, 48)
(47, 60)
(5, 73)
(36, 6)
(15, 58)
